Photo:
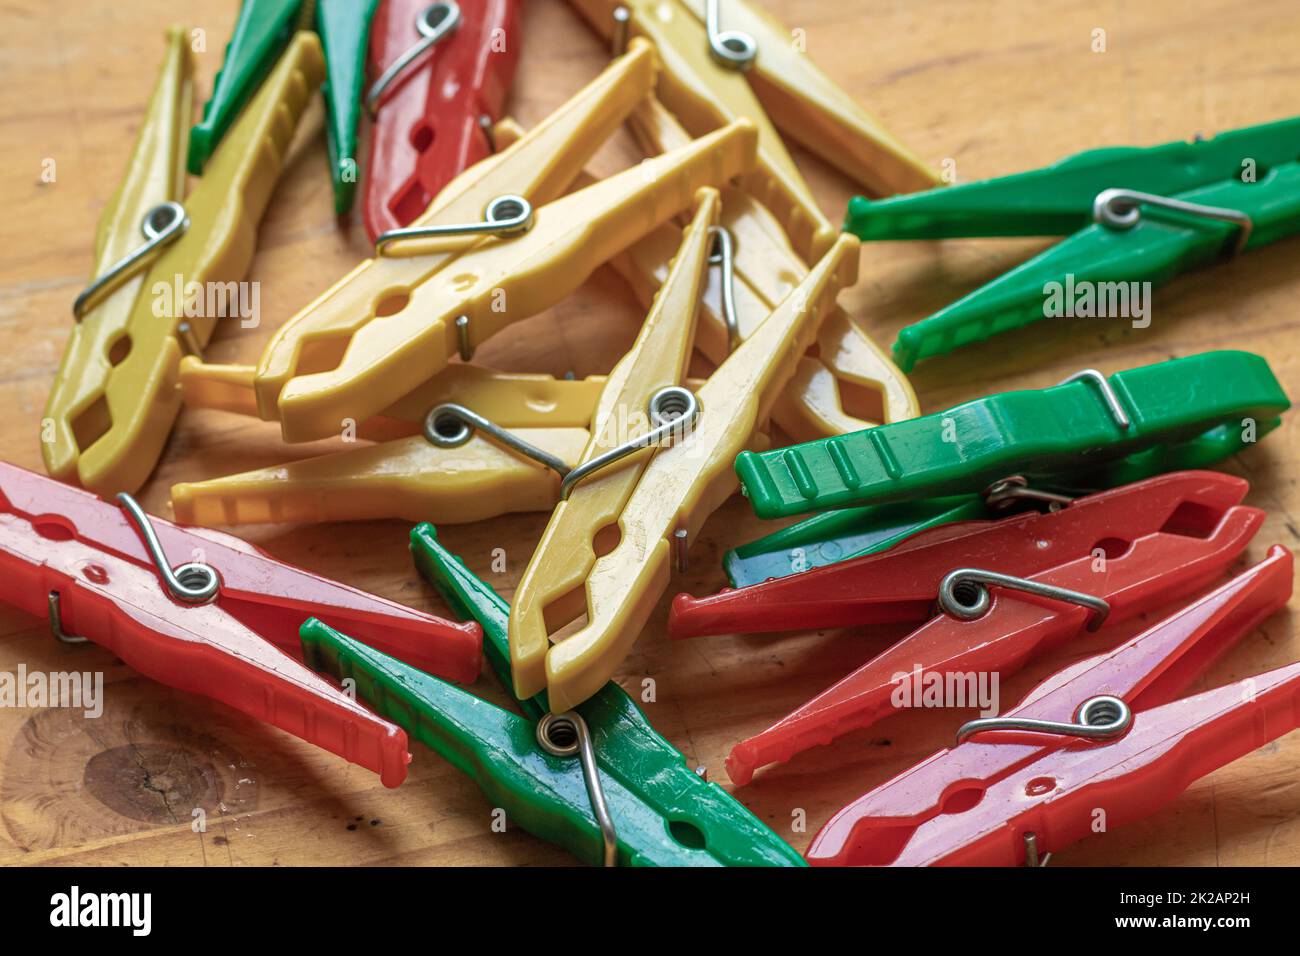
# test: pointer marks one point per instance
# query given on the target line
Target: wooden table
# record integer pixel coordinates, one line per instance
(996, 88)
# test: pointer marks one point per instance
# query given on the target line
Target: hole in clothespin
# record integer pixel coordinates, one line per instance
(1111, 548)
(392, 302)
(92, 424)
(54, 528)
(863, 401)
(1193, 520)
(119, 350)
(687, 834)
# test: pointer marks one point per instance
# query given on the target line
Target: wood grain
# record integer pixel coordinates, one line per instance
(995, 88)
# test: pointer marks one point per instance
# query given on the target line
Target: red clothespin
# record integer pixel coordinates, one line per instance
(1102, 559)
(1106, 733)
(220, 624)
(442, 71)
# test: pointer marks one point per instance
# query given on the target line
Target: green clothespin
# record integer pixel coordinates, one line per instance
(839, 535)
(261, 33)
(1089, 431)
(661, 812)
(1138, 215)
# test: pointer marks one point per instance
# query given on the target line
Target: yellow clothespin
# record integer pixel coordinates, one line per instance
(704, 82)
(824, 397)
(619, 570)
(115, 398)
(503, 280)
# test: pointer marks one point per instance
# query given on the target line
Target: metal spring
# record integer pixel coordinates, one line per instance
(435, 22)
(563, 735)
(1121, 209)
(192, 583)
(162, 225)
(672, 410)
(451, 425)
(964, 594)
(505, 217)
(1099, 718)
(733, 49)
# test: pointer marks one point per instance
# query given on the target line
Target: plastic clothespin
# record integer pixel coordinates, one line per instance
(433, 112)
(504, 280)
(1090, 430)
(825, 395)
(620, 536)
(846, 533)
(704, 82)
(1136, 215)
(1101, 560)
(643, 407)
(113, 400)
(663, 812)
(262, 32)
(223, 624)
(1116, 738)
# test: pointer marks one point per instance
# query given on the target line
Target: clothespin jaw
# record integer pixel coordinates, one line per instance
(1197, 533)
(680, 487)
(911, 818)
(546, 794)
(434, 119)
(154, 176)
(539, 167)
(705, 96)
(111, 418)
(765, 268)
(262, 31)
(1058, 199)
(218, 624)
(344, 28)
(1044, 435)
(642, 399)
(506, 279)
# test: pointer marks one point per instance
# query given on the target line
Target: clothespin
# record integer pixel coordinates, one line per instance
(503, 280)
(1131, 215)
(1089, 429)
(846, 533)
(709, 50)
(818, 401)
(1101, 560)
(1106, 733)
(262, 32)
(442, 73)
(223, 624)
(113, 400)
(619, 530)
(661, 810)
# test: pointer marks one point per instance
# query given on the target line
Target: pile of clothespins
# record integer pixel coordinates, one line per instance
(1001, 527)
